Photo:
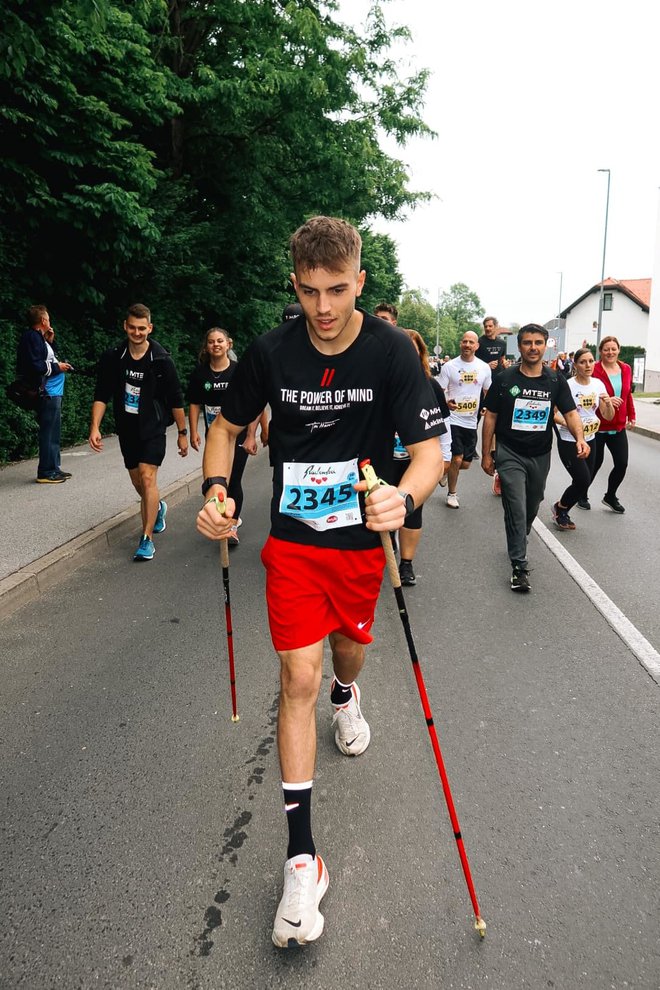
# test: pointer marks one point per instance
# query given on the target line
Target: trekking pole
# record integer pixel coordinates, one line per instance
(221, 506)
(373, 482)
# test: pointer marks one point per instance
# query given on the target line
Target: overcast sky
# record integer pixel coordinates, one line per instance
(529, 100)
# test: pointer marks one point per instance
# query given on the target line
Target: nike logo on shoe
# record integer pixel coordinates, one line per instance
(350, 743)
(294, 924)
(361, 625)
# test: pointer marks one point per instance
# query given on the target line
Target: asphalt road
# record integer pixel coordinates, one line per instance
(143, 836)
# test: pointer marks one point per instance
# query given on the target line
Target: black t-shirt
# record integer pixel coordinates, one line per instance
(525, 407)
(133, 374)
(400, 453)
(206, 388)
(491, 350)
(328, 413)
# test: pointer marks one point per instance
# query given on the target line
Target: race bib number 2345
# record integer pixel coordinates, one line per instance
(321, 495)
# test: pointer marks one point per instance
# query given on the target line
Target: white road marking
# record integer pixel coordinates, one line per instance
(622, 626)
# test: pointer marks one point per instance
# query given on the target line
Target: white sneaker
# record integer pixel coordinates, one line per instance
(443, 480)
(452, 500)
(298, 919)
(352, 732)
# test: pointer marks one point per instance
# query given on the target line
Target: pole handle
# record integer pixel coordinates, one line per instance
(221, 506)
(373, 481)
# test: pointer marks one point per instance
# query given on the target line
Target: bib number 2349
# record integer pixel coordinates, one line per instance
(321, 495)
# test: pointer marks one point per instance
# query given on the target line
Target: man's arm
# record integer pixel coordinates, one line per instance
(218, 459)
(98, 412)
(182, 440)
(487, 433)
(385, 509)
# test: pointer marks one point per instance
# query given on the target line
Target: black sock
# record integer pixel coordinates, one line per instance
(340, 694)
(298, 807)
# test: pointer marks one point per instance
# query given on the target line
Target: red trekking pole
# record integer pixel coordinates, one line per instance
(373, 482)
(221, 506)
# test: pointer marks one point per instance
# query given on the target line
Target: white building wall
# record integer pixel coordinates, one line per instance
(626, 321)
(652, 371)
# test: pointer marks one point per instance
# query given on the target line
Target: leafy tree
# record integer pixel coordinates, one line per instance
(164, 150)
(463, 307)
(417, 313)
(436, 327)
(379, 260)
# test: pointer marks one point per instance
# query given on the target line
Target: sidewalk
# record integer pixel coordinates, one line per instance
(648, 417)
(48, 531)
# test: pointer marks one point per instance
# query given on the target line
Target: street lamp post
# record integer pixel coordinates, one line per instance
(602, 275)
(561, 280)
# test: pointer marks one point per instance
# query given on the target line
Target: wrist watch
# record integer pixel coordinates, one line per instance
(210, 482)
(183, 433)
(409, 503)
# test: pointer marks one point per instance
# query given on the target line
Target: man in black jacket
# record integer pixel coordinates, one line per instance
(37, 366)
(141, 379)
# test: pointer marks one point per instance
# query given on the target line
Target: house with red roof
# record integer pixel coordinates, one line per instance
(626, 305)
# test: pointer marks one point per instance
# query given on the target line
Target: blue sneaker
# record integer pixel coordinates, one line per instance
(160, 523)
(146, 549)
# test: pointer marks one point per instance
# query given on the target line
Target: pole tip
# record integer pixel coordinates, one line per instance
(235, 718)
(480, 926)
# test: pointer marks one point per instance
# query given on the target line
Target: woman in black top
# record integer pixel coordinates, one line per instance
(411, 532)
(206, 388)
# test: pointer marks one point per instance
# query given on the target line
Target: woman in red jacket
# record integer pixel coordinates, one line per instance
(617, 378)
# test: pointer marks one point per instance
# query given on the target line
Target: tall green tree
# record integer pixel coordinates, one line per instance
(164, 150)
(379, 259)
(463, 307)
(283, 109)
(417, 313)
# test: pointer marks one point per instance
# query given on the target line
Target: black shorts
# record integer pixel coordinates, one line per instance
(136, 451)
(463, 442)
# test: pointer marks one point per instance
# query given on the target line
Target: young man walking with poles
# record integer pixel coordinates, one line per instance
(339, 384)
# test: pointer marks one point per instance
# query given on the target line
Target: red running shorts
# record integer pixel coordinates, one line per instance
(313, 591)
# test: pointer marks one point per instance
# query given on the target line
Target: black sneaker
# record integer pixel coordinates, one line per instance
(520, 579)
(613, 503)
(407, 574)
(64, 474)
(561, 517)
(583, 503)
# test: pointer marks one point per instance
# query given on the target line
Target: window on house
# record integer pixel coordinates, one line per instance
(607, 300)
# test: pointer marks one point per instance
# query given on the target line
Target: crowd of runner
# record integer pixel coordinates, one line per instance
(342, 386)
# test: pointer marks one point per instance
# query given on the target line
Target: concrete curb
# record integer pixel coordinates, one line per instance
(31, 581)
(643, 431)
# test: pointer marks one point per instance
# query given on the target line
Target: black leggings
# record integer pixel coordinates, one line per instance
(617, 444)
(579, 468)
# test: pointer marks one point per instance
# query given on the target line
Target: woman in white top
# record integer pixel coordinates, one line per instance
(590, 396)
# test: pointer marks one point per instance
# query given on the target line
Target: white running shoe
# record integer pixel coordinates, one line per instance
(298, 919)
(352, 732)
(443, 480)
(452, 500)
